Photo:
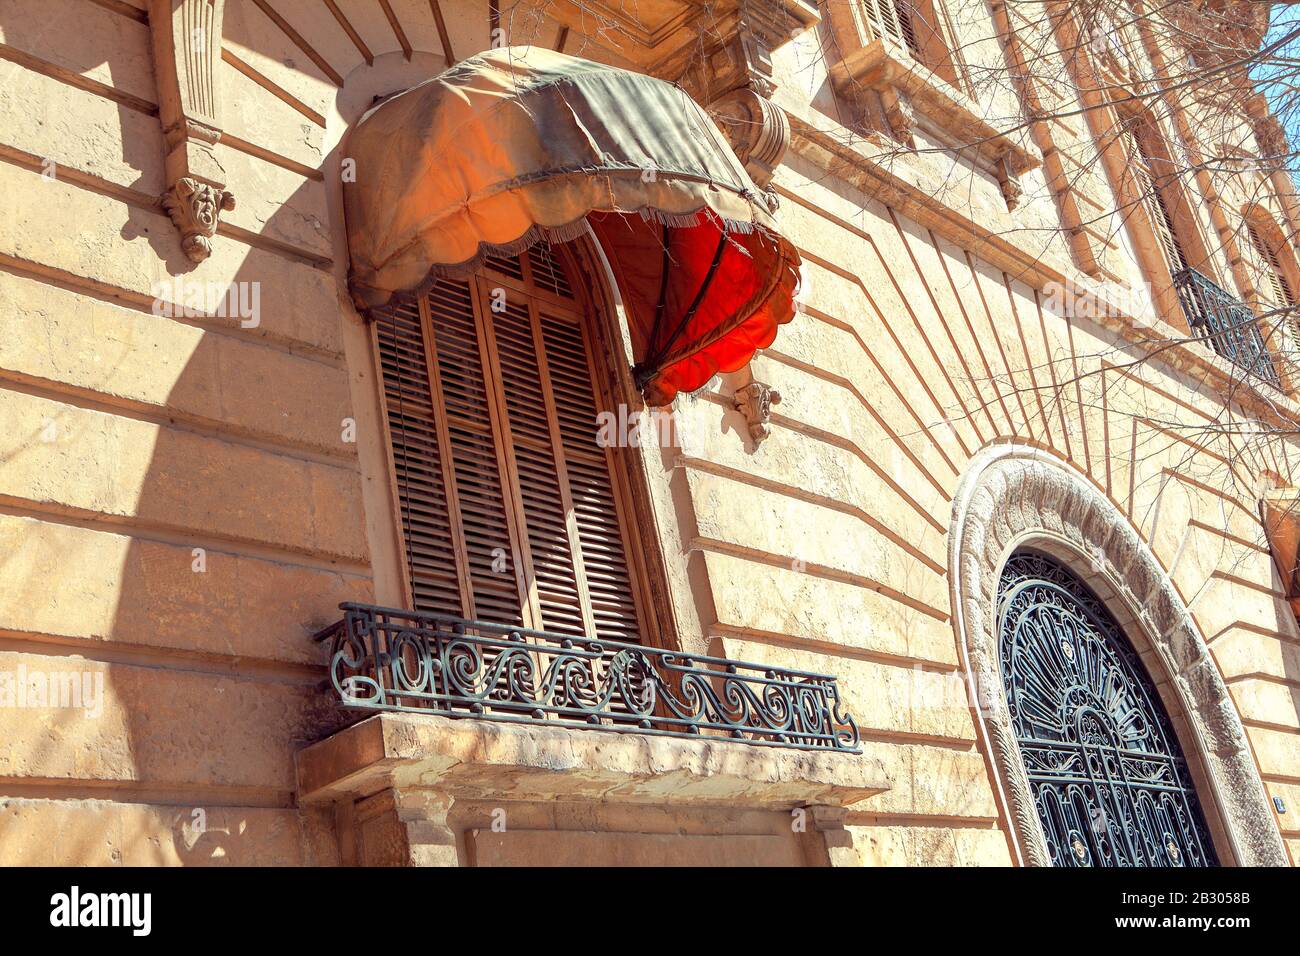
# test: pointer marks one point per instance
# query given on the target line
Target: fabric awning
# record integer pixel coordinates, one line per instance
(517, 145)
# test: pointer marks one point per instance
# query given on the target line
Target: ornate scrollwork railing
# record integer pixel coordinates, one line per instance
(1226, 323)
(392, 660)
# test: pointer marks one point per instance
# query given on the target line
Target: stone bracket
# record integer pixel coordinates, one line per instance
(830, 823)
(735, 83)
(755, 402)
(396, 826)
(186, 43)
(1270, 134)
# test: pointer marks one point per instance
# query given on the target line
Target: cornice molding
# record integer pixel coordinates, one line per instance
(876, 170)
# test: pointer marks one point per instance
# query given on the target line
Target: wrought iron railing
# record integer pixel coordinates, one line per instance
(1227, 323)
(391, 660)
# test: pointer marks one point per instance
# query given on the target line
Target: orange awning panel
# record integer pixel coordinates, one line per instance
(518, 145)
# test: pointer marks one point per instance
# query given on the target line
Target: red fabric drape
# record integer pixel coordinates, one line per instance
(700, 319)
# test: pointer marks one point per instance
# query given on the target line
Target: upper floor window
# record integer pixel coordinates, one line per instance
(511, 511)
(893, 19)
(900, 73)
(917, 26)
(1151, 173)
(1210, 312)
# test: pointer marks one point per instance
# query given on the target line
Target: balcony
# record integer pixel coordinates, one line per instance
(383, 659)
(1227, 323)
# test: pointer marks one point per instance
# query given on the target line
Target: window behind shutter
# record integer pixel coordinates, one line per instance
(599, 521)
(510, 511)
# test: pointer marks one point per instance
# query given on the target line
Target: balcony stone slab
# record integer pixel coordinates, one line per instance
(469, 759)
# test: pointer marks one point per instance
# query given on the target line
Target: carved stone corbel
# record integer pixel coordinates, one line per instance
(755, 402)
(1271, 137)
(194, 208)
(1009, 182)
(186, 42)
(734, 82)
(899, 114)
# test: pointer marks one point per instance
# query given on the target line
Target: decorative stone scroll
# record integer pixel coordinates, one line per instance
(757, 130)
(1014, 496)
(186, 40)
(734, 81)
(755, 402)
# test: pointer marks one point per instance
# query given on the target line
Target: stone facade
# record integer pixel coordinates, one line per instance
(187, 495)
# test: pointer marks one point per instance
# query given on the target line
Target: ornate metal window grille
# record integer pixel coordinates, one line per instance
(421, 662)
(1109, 781)
(1226, 323)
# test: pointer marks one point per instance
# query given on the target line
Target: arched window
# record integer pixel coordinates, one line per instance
(1108, 779)
(511, 510)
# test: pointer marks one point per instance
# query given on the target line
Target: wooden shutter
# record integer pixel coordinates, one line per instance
(417, 441)
(903, 13)
(893, 19)
(486, 550)
(600, 522)
(509, 509)
(1153, 200)
(1270, 268)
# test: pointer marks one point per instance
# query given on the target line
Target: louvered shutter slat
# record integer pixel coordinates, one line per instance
(1271, 268)
(558, 588)
(594, 501)
(417, 460)
(476, 464)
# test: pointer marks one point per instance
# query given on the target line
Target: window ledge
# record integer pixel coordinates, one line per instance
(471, 758)
(886, 68)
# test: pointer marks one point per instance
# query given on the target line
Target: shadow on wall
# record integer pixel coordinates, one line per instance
(243, 541)
(223, 721)
(213, 680)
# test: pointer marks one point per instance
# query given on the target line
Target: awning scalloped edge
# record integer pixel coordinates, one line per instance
(567, 232)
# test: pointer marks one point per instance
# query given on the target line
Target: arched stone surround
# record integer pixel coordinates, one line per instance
(1013, 497)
